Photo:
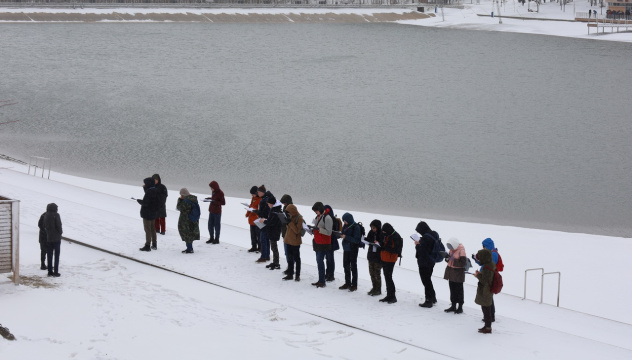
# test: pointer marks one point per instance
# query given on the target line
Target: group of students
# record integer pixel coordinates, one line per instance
(270, 220)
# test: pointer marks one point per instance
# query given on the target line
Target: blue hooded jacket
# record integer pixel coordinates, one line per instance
(352, 232)
(489, 245)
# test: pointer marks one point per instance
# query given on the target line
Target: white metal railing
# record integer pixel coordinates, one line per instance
(38, 162)
(559, 279)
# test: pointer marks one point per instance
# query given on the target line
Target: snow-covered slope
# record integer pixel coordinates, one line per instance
(108, 307)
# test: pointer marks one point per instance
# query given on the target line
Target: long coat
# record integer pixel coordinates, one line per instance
(455, 271)
(294, 227)
(485, 277)
(187, 229)
(150, 202)
(161, 189)
(52, 224)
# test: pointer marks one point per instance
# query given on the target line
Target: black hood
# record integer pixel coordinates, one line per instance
(387, 229)
(149, 183)
(52, 207)
(156, 177)
(422, 228)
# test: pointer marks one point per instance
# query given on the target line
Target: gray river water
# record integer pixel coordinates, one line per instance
(478, 126)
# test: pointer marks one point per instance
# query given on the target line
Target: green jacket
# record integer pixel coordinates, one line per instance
(485, 277)
(188, 229)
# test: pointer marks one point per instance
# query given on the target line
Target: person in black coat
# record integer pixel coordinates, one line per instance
(423, 248)
(262, 212)
(42, 242)
(161, 189)
(375, 236)
(52, 226)
(273, 229)
(391, 251)
(149, 207)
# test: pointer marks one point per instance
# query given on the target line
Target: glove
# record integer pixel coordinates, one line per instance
(447, 259)
(473, 256)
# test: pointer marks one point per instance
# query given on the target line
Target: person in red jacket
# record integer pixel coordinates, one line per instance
(215, 212)
(252, 216)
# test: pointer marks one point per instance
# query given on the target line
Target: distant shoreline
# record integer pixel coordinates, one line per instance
(227, 15)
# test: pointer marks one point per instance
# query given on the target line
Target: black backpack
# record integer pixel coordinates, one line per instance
(363, 233)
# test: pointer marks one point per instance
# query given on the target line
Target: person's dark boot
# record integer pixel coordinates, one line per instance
(145, 248)
(297, 277)
(50, 274)
(154, 247)
(56, 274)
(288, 277)
(210, 241)
(269, 265)
(43, 267)
(386, 299)
(286, 271)
(252, 249)
(427, 304)
(353, 288)
(344, 287)
(216, 241)
(434, 300)
(330, 278)
(392, 300)
(452, 308)
(459, 309)
(485, 330)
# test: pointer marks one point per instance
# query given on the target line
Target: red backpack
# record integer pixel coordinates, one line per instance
(497, 281)
(499, 266)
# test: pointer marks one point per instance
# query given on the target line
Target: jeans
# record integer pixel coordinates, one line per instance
(331, 263)
(53, 247)
(320, 261)
(388, 267)
(350, 263)
(214, 225)
(425, 273)
(264, 244)
(254, 236)
(189, 245)
(293, 257)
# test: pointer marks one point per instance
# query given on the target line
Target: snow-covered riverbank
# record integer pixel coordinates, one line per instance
(108, 307)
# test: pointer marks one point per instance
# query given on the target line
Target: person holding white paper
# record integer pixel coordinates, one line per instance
(376, 238)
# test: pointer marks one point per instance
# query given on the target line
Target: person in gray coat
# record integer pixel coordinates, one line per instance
(52, 226)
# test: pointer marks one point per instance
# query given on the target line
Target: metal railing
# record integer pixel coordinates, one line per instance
(559, 280)
(38, 162)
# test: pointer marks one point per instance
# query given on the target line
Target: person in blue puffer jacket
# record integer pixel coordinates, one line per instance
(489, 245)
(351, 240)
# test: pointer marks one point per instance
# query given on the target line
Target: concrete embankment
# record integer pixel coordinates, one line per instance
(217, 16)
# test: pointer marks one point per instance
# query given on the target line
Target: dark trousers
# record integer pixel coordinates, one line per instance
(493, 309)
(189, 245)
(53, 248)
(43, 253)
(388, 267)
(293, 257)
(425, 273)
(150, 232)
(264, 245)
(214, 225)
(331, 263)
(320, 262)
(456, 292)
(159, 224)
(487, 316)
(350, 263)
(254, 236)
(375, 270)
(275, 251)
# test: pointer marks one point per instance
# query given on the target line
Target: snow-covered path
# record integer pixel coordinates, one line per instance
(113, 306)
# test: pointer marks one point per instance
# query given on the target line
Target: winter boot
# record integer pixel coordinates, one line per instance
(353, 288)
(297, 277)
(210, 241)
(154, 247)
(485, 330)
(386, 299)
(392, 300)
(452, 308)
(43, 267)
(330, 278)
(434, 300)
(145, 248)
(252, 249)
(459, 309)
(344, 287)
(261, 260)
(427, 304)
(275, 266)
(288, 277)
(319, 284)
(216, 241)
(187, 251)
(269, 265)
(286, 271)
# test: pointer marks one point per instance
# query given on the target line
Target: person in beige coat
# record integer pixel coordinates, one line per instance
(293, 241)
(455, 274)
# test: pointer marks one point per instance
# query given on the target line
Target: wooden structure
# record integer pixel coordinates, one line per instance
(10, 237)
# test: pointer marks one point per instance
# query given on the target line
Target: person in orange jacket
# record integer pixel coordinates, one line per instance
(254, 230)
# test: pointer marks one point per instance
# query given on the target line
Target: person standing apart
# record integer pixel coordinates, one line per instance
(188, 229)
(43, 242)
(483, 291)
(149, 212)
(351, 240)
(322, 239)
(376, 237)
(161, 189)
(423, 248)
(293, 241)
(252, 216)
(455, 274)
(215, 212)
(391, 250)
(52, 225)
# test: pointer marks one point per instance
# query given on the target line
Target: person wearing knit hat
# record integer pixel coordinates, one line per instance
(161, 189)
(323, 225)
(251, 215)
(188, 229)
(376, 237)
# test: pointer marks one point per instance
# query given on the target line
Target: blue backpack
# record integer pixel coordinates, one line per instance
(437, 249)
(195, 213)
